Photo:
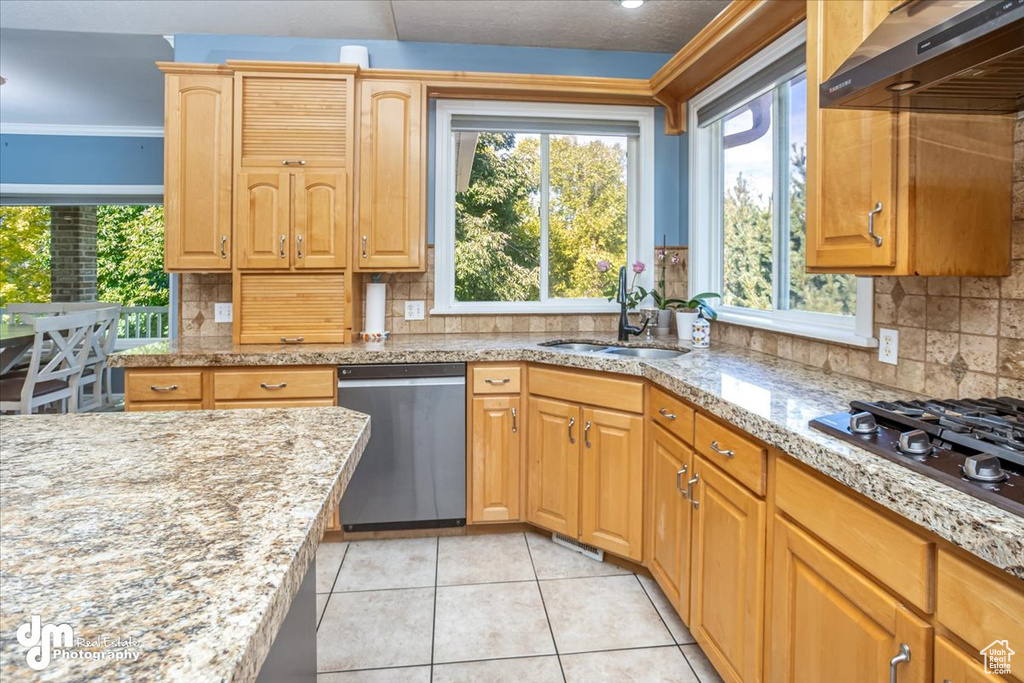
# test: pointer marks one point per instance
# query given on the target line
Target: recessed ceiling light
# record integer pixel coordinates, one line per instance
(631, 4)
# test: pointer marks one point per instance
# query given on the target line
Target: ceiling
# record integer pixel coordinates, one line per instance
(657, 26)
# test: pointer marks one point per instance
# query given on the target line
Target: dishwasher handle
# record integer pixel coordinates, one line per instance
(401, 382)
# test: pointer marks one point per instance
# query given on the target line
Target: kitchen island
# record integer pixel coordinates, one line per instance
(172, 544)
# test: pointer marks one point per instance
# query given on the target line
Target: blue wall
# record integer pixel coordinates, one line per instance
(670, 151)
(81, 160)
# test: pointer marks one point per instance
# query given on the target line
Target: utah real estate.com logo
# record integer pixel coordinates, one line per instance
(42, 639)
(997, 657)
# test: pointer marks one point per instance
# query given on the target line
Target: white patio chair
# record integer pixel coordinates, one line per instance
(56, 378)
(94, 387)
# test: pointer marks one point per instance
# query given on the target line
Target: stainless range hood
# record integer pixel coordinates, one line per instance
(939, 56)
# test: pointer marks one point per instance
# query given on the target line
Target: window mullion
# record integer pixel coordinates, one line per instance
(545, 195)
(780, 206)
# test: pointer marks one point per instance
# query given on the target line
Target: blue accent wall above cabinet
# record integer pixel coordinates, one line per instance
(81, 160)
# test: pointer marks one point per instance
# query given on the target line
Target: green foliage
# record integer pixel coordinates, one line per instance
(24, 254)
(130, 255)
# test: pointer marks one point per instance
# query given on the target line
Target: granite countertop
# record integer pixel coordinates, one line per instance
(769, 397)
(181, 537)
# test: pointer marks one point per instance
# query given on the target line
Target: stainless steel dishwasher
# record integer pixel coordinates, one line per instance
(413, 472)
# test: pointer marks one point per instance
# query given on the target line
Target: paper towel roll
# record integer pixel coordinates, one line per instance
(355, 54)
(376, 300)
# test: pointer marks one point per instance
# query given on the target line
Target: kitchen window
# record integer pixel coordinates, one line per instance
(530, 197)
(748, 172)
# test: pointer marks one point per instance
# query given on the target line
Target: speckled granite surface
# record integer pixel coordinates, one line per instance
(185, 533)
(771, 398)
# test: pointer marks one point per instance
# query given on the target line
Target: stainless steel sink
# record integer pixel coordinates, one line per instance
(638, 352)
(576, 346)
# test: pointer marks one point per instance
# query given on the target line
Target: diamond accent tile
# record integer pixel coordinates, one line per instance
(897, 294)
(958, 366)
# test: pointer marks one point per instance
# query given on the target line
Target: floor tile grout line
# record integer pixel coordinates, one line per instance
(320, 616)
(543, 604)
(433, 621)
(656, 610)
(696, 675)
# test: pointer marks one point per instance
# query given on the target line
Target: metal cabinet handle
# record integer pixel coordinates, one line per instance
(664, 413)
(689, 491)
(572, 421)
(264, 385)
(292, 340)
(223, 246)
(283, 240)
(586, 434)
(364, 246)
(298, 246)
(515, 428)
(722, 451)
(497, 381)
(293, 162)
(172, 387)
(902, 656)
(679, 482)
(871, 224)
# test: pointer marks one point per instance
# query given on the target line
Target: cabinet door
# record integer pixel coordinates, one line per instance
(953, 665)
(197, 173)
(612, 476)
(851, 155)
(829, 619)
(553, 468)
(494, 459)
(728, 573)
(263, 220)
(321, 218)
(392, 178)
(669, 551)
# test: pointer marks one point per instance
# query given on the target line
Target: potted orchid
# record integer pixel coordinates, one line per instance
(634, 294)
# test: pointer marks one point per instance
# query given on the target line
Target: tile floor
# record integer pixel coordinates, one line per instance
(495, 608)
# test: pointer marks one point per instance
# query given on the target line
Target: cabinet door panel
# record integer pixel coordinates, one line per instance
(494, 465)
(612, 477)
(320, 235)
(728, 560)
(262, 220)
(953, 665)
(669, 551)
(553, 468)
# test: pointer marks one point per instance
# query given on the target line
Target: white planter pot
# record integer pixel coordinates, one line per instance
(684, 325)
(664, 323)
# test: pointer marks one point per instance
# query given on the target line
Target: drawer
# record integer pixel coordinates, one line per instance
(596, 390)
(671, 413)
(274, 384)
(743, 458)
(893, 554)
(276, 403)
(163, 385)
(977, 604)
(496, 379)
(149, 406)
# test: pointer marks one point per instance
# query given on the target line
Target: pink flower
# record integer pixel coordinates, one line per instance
(639, 267)
(661, 254)
(675, 259)
(603, 266)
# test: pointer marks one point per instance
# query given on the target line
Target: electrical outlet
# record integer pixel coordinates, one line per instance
(222, 313)
(414, 310)
(888, 346)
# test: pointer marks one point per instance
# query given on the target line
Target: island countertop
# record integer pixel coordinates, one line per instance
(181, 537)
(771, 398)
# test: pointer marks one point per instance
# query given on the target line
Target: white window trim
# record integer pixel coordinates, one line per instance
(640, 204)
(706, 244)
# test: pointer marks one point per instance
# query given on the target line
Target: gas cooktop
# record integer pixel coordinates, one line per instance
(974, 445)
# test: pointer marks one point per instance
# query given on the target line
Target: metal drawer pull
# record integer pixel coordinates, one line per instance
(283, 240)
(364, 246)
(721, 451)
(664, 413)
(291, 162)
(679, 482)
(264, 385)
(172, 387)
(902, 656)
(689, 491)
(871, 223)
(223, 246)
(515, 428)
(497, 381)
(586, 434)
(572, 421)
(292, 340)
(298, 246)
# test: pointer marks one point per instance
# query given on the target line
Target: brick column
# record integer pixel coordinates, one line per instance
(72, 253)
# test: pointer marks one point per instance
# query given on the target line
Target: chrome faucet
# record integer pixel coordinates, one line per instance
(625, 329)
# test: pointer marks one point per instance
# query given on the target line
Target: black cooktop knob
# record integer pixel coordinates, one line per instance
(863, 423)
(984, 467)
(915, 442)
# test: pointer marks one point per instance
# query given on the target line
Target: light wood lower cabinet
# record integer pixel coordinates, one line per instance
(494, 452)
(832, 623)
(228, 388)
(668, 546)
(553, 468)
(728, 560)
(954, 665)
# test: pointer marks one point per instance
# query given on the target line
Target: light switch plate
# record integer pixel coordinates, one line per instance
(414, 310)
(888, 346)
(222, 313)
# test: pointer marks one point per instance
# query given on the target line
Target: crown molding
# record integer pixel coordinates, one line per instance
(82, 131)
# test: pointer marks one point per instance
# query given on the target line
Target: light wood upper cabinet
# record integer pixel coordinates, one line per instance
(263, 220)
(320, 219)
(827, 618)
(668, 550)
(899, 194)
(197, 171)
(292, 308)
(727, 555)
(391, 231)
(495, 458)
(612, 478)
(553, 489)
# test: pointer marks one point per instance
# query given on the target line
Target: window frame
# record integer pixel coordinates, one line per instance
(639, 207)
(706, 232)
